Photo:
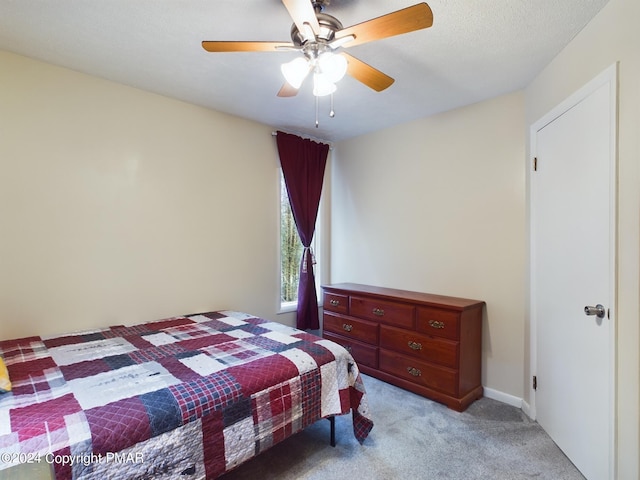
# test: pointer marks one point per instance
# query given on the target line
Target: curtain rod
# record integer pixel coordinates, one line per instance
(274, 133)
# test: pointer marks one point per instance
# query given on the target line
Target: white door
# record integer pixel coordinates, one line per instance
(573, 241)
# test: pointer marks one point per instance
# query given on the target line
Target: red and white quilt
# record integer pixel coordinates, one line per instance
(187, 397)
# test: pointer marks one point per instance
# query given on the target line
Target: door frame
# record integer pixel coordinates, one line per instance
(608, 76)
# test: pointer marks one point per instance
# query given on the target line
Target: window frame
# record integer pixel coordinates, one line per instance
(287, 307)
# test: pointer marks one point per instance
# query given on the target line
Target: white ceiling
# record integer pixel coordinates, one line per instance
(474, 51)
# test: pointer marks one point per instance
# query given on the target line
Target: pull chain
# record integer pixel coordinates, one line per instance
(332, 112)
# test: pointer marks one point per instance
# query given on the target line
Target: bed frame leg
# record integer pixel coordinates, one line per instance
(332, 421)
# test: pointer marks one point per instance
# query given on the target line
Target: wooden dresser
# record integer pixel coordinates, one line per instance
(428, 344)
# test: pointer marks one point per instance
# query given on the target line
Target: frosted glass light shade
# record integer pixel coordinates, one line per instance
(295, 71)
(333, 66)
(322, 85)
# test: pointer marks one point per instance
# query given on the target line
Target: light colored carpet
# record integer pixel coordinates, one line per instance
(415, 438)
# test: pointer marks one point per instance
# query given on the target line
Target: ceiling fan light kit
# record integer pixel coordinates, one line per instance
(318, 36)
(328, 69)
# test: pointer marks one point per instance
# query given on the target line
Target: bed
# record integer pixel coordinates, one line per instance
(185, 397)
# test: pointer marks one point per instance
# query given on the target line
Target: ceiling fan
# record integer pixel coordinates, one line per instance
(320, 38)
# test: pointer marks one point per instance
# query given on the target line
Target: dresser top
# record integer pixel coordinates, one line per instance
(395, 294)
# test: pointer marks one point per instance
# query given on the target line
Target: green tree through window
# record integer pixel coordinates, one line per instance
(290, 250)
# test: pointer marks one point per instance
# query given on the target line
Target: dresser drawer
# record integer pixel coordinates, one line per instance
(350, 327)
(421, 373)
(424, 347)
(437, 321)
(362, 353)
(398, 314)
(336, 303)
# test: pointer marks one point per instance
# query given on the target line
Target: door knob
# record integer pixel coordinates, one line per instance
(598, 311)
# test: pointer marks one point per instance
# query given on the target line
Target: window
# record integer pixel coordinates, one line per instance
(290, 252)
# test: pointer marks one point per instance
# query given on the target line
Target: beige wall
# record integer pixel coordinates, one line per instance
(438, 205)
(613, 36)
(121, 206)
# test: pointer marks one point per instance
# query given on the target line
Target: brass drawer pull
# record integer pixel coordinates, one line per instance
(335, 303)
(346, 327)
(436, 324)
(378, 311)
(415, 345)
(414, 371)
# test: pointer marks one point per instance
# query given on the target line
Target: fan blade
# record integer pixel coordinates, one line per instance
(303, 14)
(215, 46)
(365, 73)
(401, 21)
(288, 90)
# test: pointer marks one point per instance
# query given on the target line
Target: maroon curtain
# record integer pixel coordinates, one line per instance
(303, 162)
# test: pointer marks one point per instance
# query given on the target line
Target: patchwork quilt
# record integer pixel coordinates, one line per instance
(185, 397)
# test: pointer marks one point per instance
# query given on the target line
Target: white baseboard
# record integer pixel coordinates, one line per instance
(504, 397)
